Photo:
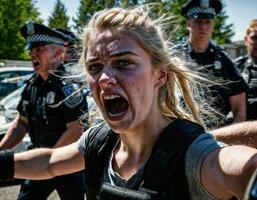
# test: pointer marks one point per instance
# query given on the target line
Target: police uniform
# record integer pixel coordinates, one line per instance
(48, 105)
(248, 69)
(214, 59)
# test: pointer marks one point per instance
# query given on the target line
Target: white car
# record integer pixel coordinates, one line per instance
(11, 72)
(12, 78)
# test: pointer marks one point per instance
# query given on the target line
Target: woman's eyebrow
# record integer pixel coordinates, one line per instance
(112, 55)
(118, 54)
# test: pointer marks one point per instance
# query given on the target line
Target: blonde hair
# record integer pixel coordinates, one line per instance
(252, 25)
(151, 36)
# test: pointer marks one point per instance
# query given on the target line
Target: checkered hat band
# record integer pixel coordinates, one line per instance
(44, 38)
(197, 10)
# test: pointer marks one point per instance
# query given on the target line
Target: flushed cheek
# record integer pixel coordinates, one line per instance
(136, 94)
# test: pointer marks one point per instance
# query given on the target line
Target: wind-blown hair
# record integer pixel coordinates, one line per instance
(252, 25)
(150, 35)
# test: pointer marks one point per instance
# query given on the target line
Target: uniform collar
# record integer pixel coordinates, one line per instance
(55, 75)
(210, 49)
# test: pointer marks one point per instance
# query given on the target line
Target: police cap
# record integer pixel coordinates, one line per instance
(37, 35)
(71, 37)
(201, 9)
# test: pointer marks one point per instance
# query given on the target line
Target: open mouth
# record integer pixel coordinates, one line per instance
(115, 105)
(35, 63)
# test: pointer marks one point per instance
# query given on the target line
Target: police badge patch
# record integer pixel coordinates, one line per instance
(50, 97)
(30, 28)
(217, 65)
(204, 3)
(74, 97)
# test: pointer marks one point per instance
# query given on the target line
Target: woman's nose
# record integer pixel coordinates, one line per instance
(107, 78)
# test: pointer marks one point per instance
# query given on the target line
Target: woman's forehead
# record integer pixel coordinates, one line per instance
(107, 43)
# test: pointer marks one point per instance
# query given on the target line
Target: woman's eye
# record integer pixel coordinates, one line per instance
(122, 63)
(94, 68)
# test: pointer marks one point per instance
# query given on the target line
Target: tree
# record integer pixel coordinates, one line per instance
(223, 32)
(172, 9)
(87, 8)
(127, 3)
(14, 14)
(59, 18)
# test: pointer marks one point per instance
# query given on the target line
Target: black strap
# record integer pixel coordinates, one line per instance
(168, 151)
(113, 192)
(7, 165)
(100, 142)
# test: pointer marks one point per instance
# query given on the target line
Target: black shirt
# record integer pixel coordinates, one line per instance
(248, 69)
(218, 65)
(49, 105)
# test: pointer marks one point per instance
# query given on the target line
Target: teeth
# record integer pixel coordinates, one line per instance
(111, 97)
(115, 115)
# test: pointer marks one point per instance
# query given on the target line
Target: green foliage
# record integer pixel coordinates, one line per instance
(13, 15)
(59, 18)
(128, 3)
(172, 9)
(87, 8)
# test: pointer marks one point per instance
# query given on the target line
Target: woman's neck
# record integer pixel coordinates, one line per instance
(136, 146)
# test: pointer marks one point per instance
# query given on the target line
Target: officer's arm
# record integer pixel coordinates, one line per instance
(73, 132)
(244, 133)
(15, 133)
(47, 163)
(238, 107)
(227, 171)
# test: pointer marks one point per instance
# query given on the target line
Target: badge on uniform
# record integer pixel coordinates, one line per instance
(217, 65)
(204, 3)
(50, 97)
(30, 28)
(74, 97)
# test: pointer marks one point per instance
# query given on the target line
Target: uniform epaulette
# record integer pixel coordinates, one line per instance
(240, 61)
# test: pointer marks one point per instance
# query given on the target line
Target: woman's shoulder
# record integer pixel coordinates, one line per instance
(93, 136)
(196, 153)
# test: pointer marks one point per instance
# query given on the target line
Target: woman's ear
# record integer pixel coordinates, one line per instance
(161, 77)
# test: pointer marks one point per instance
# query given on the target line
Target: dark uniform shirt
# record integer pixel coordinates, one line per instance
(219, 65)
(49, 105)
(248, 69)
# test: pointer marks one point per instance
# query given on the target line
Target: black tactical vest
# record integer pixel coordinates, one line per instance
(164, 173)
(248, 70)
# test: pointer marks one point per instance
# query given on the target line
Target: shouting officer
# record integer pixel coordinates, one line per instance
(248, 67)
(49, 110)
(200, 15)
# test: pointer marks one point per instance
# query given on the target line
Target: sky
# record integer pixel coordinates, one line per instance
(240, 12)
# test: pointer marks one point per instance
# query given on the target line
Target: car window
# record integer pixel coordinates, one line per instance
(8, 74)
(23, 73)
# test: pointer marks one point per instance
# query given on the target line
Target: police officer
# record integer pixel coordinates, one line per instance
(49, 110)
(71, 46)
(200, 16)
(248, 68)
